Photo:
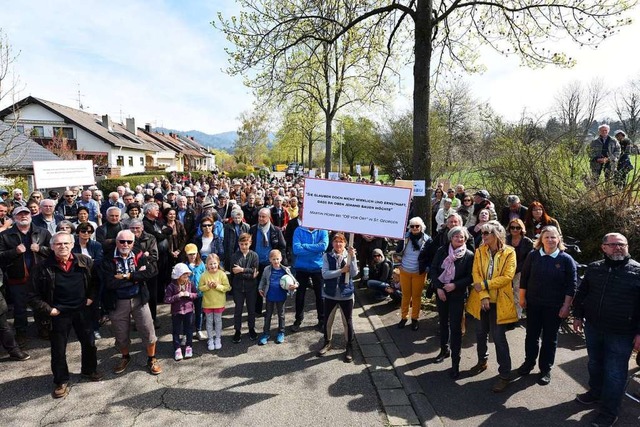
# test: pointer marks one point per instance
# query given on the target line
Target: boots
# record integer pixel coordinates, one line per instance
(454, 373)
(348, 354)
(444, 353)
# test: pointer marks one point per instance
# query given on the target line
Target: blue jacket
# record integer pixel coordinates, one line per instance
(309, 247)
(94, 248)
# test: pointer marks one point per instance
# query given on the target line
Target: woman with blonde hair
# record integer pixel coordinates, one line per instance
(414, 250)
(491, 300)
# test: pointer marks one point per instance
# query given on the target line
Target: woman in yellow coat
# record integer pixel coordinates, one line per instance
(491, 299)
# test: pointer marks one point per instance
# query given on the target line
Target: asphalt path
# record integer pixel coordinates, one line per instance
(240, 385)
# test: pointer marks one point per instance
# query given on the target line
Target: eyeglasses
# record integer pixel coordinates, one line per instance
(125, 242)
(486, 233)
(207, 225)
(377, 256)
(414, 226)
(515, 227)
(68, 195)
(467, 200)
(62, 244)
(615, 245)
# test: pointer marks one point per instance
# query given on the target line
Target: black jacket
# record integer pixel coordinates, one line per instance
(464, 272)
(144, 271)
(106, 235)
(609, 297)
(506, 212)
(11, 262)
(230, 241)
(42, 283)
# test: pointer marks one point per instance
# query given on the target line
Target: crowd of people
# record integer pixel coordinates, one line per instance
(81, 260)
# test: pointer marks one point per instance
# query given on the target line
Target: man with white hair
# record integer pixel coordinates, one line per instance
(604, 154)
(126, 295)
(112, 200)
(18, 198)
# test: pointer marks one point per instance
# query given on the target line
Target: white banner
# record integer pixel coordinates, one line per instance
(356, 208)
(63, 173)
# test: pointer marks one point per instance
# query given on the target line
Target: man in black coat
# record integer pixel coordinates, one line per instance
(513, 210)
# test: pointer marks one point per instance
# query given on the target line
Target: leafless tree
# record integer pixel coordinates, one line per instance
(627, 107)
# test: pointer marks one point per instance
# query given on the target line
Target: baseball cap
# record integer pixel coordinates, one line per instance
(19, 209)
(191, 249)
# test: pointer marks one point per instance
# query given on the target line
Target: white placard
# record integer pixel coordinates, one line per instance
(312, 173)
(356, 208)
(334, 176)
(358, 170)
(63, 173)
(419, 189)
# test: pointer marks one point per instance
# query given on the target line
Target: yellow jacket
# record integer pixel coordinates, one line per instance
(499, 288)
(212, 297)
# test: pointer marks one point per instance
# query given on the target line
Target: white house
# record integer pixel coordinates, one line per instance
(87, 136)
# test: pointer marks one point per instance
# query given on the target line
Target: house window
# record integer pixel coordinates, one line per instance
(61, 132)
(120, 161)
(130, 160)
(141, 161)
(37, 131)
(20, 128)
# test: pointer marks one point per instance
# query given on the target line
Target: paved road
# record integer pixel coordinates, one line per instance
(242, 384)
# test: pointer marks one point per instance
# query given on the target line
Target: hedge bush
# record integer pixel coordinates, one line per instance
(111, 184)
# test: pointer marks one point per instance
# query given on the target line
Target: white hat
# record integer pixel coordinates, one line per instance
(179, 269)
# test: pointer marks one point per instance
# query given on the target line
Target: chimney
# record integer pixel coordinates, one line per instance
(131, 126)
(147, 127)
(106, 122)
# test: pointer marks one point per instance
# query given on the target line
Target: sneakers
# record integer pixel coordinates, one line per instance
(237, 337)
(324, 349)
(96, 335)
(60, 390)
(210, 345)
(525, 369)
(153, 366)
(217, 343)
(478, 368)
(604, 420)
(19, 355)
(177, 356)
(587, 398)
(544, 378)
(280, 338)
(94, 376)
(402, 323)
(122, 365)
(263, 339)
(441, 356)
(500, 385)
(348, 354)
(188, 353)
(253, 335)
(296, 326)
(200, 336)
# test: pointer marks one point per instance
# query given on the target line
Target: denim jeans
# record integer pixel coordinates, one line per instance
(546, 322)
(488, 324)
(608, 366)
(380, 287)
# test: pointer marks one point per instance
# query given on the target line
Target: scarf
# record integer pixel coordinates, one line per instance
(448, 265)
(265, 232)
(415, 240)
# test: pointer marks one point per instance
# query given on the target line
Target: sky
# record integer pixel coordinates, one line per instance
(162, 62)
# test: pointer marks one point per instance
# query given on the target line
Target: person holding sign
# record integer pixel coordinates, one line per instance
(414, 250)
(338, 269)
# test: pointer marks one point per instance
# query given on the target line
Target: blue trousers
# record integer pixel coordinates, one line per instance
(182, 324)
(608, 366)
(488, 324)
(546, 322)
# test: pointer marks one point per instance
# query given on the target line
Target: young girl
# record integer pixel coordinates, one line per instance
(274, 294)
(195, 264)
(214, 285)
(180, 293)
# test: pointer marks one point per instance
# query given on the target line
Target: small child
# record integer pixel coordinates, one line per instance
(274, 294)
(214, 285)
(393, 288)
(195, 264)
(244, 266)
(180, 293)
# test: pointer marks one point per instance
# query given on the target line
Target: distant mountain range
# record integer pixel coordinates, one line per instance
(219, 141)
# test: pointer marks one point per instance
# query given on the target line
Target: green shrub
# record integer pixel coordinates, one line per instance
(109, 185)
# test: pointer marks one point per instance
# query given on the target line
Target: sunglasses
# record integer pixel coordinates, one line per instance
(87, 232)
(125, 242)
(468, 200)
(207, 225)
(414, 226)
(486, 233)
(515, 227)
(377, 256)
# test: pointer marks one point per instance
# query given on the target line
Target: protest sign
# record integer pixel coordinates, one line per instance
(61, 173)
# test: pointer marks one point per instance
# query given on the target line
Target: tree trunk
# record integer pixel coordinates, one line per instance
(421, 95)
(327, 156)
(310, 155)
